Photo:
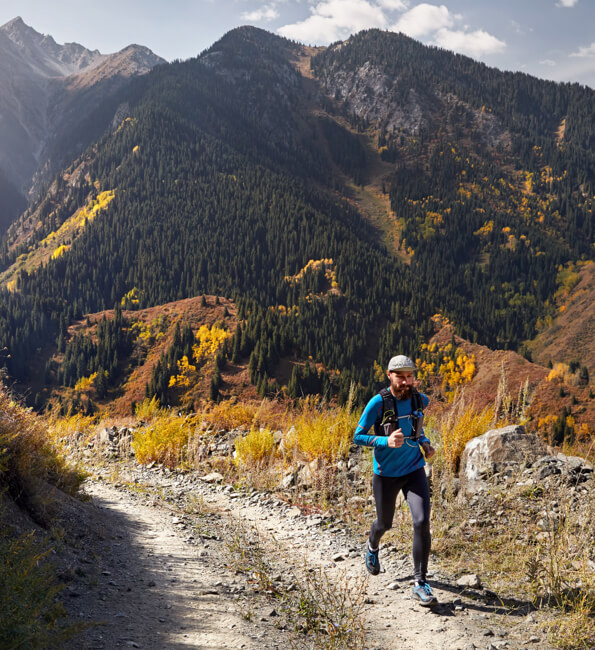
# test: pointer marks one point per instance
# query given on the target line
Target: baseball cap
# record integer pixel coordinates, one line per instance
(401, 362)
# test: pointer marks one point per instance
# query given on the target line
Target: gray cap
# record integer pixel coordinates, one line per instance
(401, 362)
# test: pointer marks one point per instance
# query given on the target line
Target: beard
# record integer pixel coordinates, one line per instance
(404, 393)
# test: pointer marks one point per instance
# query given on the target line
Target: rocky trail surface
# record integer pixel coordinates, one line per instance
(173, 560)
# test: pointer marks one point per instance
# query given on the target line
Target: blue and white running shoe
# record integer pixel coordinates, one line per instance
(372, 561)
(423, 592)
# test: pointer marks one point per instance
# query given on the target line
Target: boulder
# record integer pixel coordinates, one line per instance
(213, 477)
(499, 449)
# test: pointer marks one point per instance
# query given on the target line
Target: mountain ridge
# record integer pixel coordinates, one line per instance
(47, 91)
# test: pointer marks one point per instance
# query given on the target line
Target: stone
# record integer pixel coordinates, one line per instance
(288, 481)
(498, 449)
(104, 437)
(213, 477)
(469, 580)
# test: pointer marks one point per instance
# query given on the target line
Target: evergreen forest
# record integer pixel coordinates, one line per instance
(222, 180)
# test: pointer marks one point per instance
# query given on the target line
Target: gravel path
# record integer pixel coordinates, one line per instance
(152, 568)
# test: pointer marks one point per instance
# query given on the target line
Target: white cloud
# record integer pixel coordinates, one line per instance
(265, 13)
(423, 20)
(333, 20)
(585, 52)
(566, 3)
(394, 5)
(548, 62)
(477, 43)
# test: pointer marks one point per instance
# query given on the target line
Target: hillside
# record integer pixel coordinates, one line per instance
(339, 197)
(569, 335)
(554, 403)
(152, 332)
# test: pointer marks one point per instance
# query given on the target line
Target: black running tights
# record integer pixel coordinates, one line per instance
(417, 493)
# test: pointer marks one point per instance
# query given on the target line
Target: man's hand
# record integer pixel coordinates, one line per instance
(396, 438)
(429, 451)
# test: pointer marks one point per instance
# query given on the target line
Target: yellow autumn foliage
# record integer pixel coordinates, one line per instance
(85, 383)
(208, 341)
(326, 264)
(451, 364)
(256, 448)
(186, 373)
(165, 440)
(59, 251)
(486, 229)
(149, 332)
(131, 298)
(560, 373)
(325, 434)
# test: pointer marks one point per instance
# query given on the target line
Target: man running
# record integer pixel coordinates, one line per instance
(399, 465)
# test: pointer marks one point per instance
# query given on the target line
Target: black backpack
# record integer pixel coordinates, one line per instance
(389, 420)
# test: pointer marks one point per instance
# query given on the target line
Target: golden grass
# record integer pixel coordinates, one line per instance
(324, 434)
(27, 453)
(148, 410)
(232, 414)
(461, 424)
(257, 448)
(165, 440)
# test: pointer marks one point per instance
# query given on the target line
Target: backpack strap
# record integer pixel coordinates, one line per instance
(417, 415)
(389, 409)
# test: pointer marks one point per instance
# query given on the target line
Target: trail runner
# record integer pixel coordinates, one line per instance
(395, 417)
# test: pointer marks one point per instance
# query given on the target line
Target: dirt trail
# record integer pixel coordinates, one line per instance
(148, 587)
(160, 576)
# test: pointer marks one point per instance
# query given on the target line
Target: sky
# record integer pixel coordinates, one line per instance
(551, 39)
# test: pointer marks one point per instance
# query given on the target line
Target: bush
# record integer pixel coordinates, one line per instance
(324, 434)
(165, 440)
(231, 414)
(257, 448)
(148, 409)
(26, 453)
(30, 615)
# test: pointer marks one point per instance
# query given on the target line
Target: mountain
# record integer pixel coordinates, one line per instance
(340, 197)
(48, 92)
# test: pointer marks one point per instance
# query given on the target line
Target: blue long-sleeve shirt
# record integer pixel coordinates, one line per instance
(391, 461)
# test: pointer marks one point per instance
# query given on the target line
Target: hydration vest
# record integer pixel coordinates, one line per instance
(389, 417)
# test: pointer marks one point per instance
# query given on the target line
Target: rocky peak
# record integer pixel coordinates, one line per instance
(43, 55)
(19, 32)
(45, 93)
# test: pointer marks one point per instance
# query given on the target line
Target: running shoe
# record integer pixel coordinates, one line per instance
(372, 562)
(423, 592)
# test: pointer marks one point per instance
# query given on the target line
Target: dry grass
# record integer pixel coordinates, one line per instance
(322, 612)
(165, 439)
(323, 433)
(232, 414)
(26, 453)
(459, 425)
(30, 615)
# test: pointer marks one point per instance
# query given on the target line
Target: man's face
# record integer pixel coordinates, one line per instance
(401, 383)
